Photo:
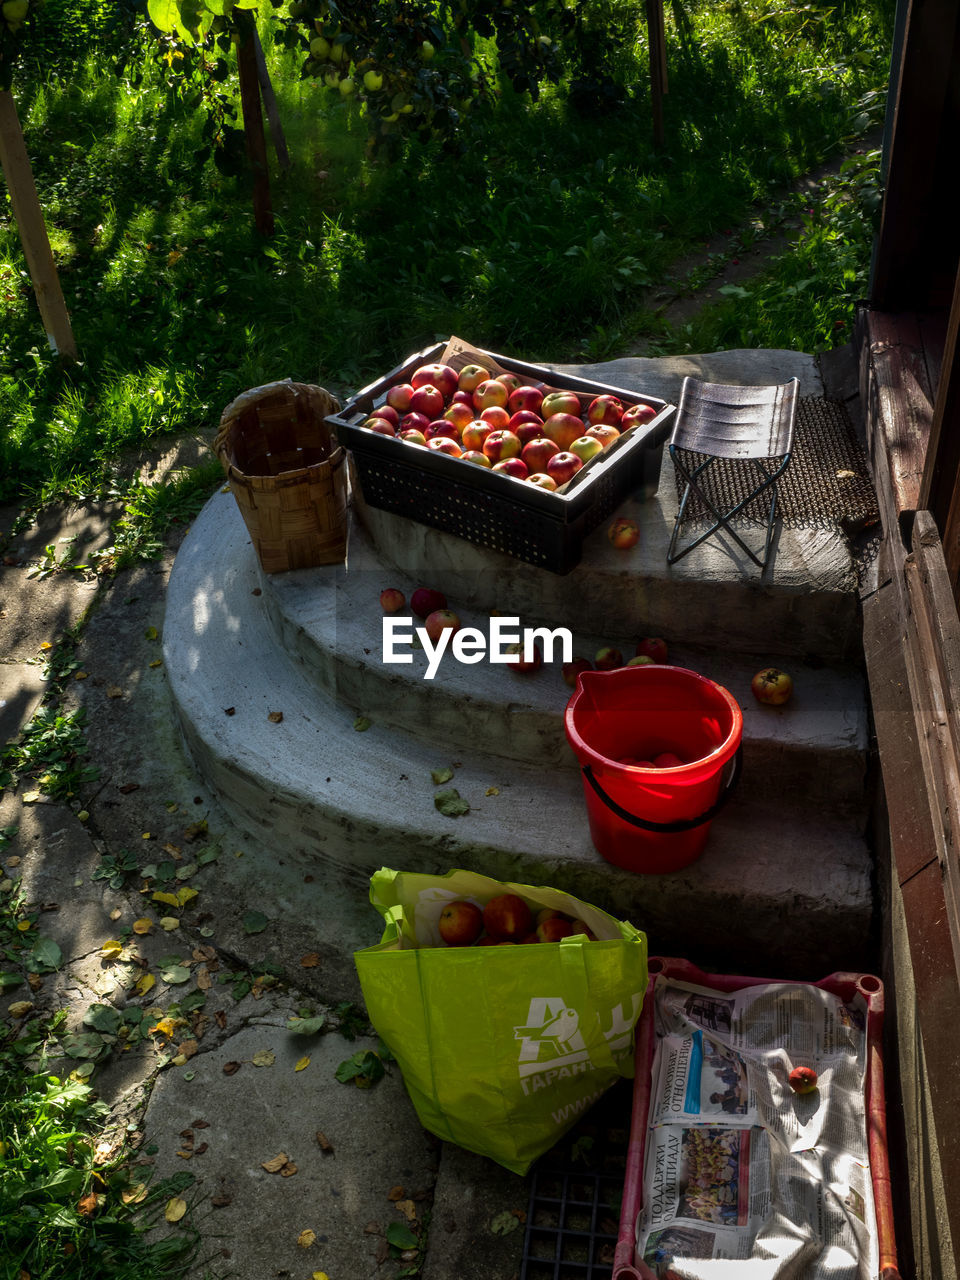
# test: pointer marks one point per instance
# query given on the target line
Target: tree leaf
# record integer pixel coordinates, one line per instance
(84, 1044)
(45, 954)
(400, 1236)
(302, 1064)
(362, 724)
(254, 921)
(175, 974)
(503, 1223)
(450, 803)
(175, 1209)
(264, 1058)
(440, 776)
(306, 1026)
(363, 1068)
(103, 1017)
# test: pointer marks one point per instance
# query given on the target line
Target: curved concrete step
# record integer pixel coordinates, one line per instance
(311, 785)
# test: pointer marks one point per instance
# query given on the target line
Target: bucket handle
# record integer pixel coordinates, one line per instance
(681, 824)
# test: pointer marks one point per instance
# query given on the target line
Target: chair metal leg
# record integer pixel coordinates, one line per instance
(722, 519)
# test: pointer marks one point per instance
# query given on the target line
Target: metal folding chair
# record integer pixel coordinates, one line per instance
(719, 423)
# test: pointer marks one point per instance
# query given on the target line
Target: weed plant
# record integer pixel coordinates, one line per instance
(538, 234)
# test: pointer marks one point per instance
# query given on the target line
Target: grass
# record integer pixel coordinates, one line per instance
(540, 237)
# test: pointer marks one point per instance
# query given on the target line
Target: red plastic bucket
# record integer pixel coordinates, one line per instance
(642, 817)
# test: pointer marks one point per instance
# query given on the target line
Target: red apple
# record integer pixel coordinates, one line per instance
(380, 425)
(440, 620)
(570, 670)
(527, 399)
(471, 375)
(427, 400)
(543, 481)
(560, 402)
(803, 1079)
(563, 467)
(526, 426)
(443, 444)
(392, 600)
(606, 435)
(586, 447)
(475, 456)
(554, 929)
(771, 686)
(624, 534)
(442, 427)
(462, 397)
(440, 376)
(413, 436)
(461, 415)
(563, 429)
(500, 445)
(607, 410)
(652, 647)
(415, 422)
(519, 663)
(510, 380)
(490, 393)
(460, 924)
(514, 467)
(398, 397)
(425, 601)
(473, 436)
(637, 416)
(507, 916)
(497, 416)
(538, 453)
(581, 926)
(385, 411)
(608, 658)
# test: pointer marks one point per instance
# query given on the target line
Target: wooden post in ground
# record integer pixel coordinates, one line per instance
(33, 231)
(253, 122)
(656, 40)
(270, 105)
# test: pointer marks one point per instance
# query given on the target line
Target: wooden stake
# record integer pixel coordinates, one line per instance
(33, 231)
(658, 66)
(253, 123)
(270, 105)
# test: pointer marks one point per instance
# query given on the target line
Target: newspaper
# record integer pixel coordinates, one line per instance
(737, 1165)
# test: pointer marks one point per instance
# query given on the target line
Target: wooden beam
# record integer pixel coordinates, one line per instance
(658, 65)
(33, 231)
(270, 105)
(940, 488)
(253, 122)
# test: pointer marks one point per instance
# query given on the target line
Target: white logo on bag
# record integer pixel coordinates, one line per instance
(552, 1047)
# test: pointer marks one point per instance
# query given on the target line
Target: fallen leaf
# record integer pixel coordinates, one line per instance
(80, 675)
(151, 633)
(184, 1155)
(440, 776)
(396, 1193)
(20, 1009)
(501, 1224)
(169, 923)
(373, 1229)
(362, 724)
(275, 717)
(114, 691)
(204, 1146)
(288, 1170)
(166, 1026)
(221, 1202)
(175, 1209)
(492, 791)
(134, 1194)
(408, 1209)
(302, 1064)
(128, 787)
(87, 1205)
(116, 913)
(450, 803)
(188, 1048)
(143, 985)
(142, 926)
(383, 1252)
(254, 922)
(264, 1058)
(112, 949)
(175, 974)
(324, 1142)
(46, 645)
(275, 1164)
(306, 1238)
(30, 797)
(319, 1275)
(204, 980)
(310, 960)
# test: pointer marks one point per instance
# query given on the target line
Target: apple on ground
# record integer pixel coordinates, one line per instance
(413, 436)
(387, 411)
(554, 929)
(497, 416)
(460, 923)
(515, 467)
(460, 414)
(518, 662)
(442, 427)
(543, 481)
(510, 381)
(477, 457)
(471, 375)
(441, 376)
(443, 444)
(623, 534)
(560, 402)
(500, 445)
(474, 434)
(380, 425)
(607, 410)
(428, 400)
(771, 686)
(440, 620)
(527, 399)
(489, 394)
(398, 397)
(652, 647)
(425, 601)
(637, 416)
(586, 447)
(802, 1080)
(640, 660)
(572, 669)
(563, 467)
(415, 422)
(392, 600)
(563, 429)
(608, 658)
(538, 453)
(507, 917)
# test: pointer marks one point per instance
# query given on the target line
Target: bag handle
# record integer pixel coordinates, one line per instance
(681, 824)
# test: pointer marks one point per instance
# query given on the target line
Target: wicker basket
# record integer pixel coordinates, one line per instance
(287, 473)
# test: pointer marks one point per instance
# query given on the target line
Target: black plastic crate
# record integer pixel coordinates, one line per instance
(493, 510)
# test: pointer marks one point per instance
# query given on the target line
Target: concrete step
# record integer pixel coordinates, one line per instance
(795, 881)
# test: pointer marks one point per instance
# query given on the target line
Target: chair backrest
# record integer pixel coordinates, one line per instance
(727, 421)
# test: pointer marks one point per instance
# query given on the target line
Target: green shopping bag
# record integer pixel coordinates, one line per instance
(502, 1048)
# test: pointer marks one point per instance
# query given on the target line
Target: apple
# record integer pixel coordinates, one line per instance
(427, 400)
(581, 926)
(563, 429)
(413, 436)
(652, 647)
(500, 445)
(640, 660)
(605, 434)
(802, 1080)
(526, 427)
(538, 453)
(477, 457)
(560, 402)
(460, 414)
(608, 658)
(563, 467)
(490, 393)
(606, 410)
(442, 427)
(392, 600)
(440, 620)
(398, 397)
(514, 467)
(462, 397)
(543, 481)
(771, 687)
(497, 416)
(624, 534)
(525, 398)
(471, 375)
(473, 435)
(441, 376)
(346, 86)
(460, 924)
(425, 601)
(507, 917)
(554, 929)
(380, 425)
(443, 444)
(637, 415)
(510, 380)
(372, 80)
(519, 663)
(571, 670)
(586, 447)
(667, 760)
(387, 411)
(415, 422)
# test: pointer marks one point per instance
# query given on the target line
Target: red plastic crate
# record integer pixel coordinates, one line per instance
(844, 985)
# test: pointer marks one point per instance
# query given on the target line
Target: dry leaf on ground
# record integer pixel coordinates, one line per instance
(306, 1238)
(175, 1209)
(408, 1209)
(276, 1163)
(395, 1193)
